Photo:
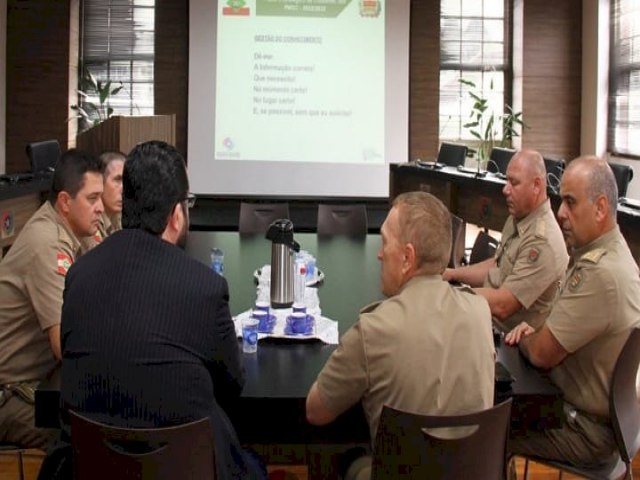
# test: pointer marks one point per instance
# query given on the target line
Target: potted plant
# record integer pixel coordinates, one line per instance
(489, 127)
(89, 111)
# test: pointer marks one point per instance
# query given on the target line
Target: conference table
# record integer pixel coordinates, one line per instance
(278, 377)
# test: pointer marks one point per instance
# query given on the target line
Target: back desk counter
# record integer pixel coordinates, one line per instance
(480, 200)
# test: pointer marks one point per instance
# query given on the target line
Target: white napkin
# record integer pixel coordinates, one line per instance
(325, 329)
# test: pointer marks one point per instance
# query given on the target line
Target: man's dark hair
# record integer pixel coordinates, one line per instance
(153, 182)
(69, 172)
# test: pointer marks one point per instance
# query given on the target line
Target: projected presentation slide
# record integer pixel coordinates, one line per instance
(300, 80)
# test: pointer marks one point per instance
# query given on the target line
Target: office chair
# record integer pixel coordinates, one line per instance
(500, 158)
(10, 449)
(458, 235)
(342, 219)
(555, 169)
(408, 447)
(256, 217)
(625, 418)
(103, 452)
(43, 155)
(623, 174)
(484, 247)
(452, 154)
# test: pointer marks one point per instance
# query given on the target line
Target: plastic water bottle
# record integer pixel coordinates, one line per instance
(217, 261)
(299, 281)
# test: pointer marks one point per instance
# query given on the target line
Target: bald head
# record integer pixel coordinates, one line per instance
(589, 200)
(526, 187)
(532, 164)
(598, 177)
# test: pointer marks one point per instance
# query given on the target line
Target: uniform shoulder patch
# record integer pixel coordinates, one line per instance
(594, 256)
(575, 281)
(64, 262)
(533, 255)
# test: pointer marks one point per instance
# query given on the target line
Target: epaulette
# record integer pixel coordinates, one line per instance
(541, 228)
(594, 256)
(371, 307)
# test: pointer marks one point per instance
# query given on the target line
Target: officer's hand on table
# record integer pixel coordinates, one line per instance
(518, 333)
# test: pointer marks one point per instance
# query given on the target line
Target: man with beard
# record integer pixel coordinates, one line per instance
(147, 337)
(590, 321)
(521, 281)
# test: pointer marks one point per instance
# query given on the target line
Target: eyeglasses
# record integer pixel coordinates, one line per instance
(190, 199)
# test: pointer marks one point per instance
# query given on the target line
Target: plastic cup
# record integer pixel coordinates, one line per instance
(299, 307)
(250, 334)
(263, 305)
(263, 319)
(297, 322)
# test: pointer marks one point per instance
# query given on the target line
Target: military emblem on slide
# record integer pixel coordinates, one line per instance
(236, 7)
(370, 8)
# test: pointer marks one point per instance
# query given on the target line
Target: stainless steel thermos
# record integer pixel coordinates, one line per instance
(283, 251)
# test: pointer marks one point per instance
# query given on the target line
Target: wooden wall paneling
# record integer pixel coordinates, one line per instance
(171, 68)
(424, 79)
(37, 76)
(551, 79)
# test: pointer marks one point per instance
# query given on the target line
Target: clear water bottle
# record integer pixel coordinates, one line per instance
(300, 281)
(217, 261)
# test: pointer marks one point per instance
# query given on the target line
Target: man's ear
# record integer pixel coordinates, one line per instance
(63, 201)
(408, 257)
(174, 223)
(602, 208)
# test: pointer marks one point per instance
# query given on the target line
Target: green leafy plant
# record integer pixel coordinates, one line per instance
(486, 124)
(89, 111)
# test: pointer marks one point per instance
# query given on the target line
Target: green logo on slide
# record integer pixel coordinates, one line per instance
(236, 3)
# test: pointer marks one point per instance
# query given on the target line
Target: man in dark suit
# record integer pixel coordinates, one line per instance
(147, 337)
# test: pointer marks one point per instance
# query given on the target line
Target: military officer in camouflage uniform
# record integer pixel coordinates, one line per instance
(597, 306)
(522, 279)
(31, 284)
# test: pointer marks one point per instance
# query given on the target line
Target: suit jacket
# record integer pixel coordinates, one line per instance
(148, 341)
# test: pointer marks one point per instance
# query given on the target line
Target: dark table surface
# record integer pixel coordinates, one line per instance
(280, 374)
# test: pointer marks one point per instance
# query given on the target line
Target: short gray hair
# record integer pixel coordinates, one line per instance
(425, 222)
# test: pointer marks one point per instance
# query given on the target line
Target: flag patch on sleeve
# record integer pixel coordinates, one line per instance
(64, 262)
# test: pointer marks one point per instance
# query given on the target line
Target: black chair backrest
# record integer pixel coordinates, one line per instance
(255, 218)
(458, 235)
(484, 247)
(500, 158)
(452, 154)
(342, 219)
(623, 174)
(407, 447)
(102, 452)
(623, 399)
(43, 155)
